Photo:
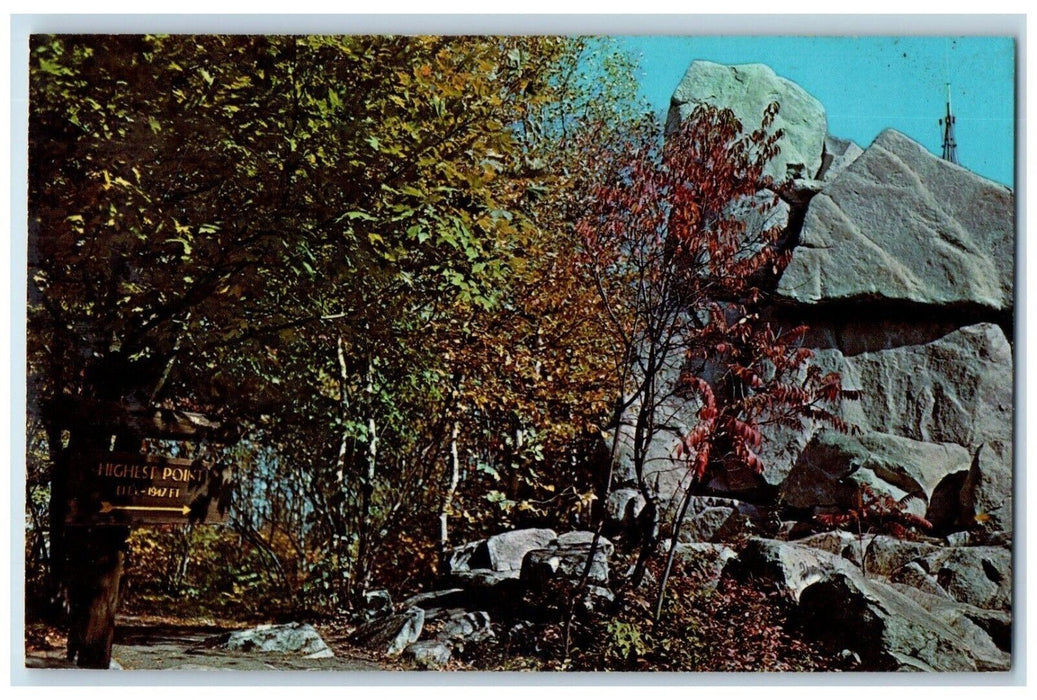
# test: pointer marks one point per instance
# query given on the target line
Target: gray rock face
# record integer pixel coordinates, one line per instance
(924, 410)
(997, 624)
(747, 90)
(293, 638)
(901, 224)
(391, 635)
(892, 631)
(914, 576)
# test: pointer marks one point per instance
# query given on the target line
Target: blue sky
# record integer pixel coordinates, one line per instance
(867, 84)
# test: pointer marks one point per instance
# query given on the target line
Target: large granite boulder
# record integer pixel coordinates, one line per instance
(900, 224)
(889, 629)
(923, 412)
(747, 90)
(956, 390)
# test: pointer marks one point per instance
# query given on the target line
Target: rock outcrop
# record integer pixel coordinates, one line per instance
(902, 266)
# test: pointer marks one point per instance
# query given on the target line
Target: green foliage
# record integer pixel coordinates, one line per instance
(624, 641)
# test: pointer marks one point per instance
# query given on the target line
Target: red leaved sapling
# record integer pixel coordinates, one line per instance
(682, 280)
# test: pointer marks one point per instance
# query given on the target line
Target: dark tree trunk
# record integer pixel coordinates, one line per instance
(96, 558)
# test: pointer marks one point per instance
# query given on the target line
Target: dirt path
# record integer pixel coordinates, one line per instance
(144, 646)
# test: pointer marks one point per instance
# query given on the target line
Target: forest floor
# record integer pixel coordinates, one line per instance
(152, 644)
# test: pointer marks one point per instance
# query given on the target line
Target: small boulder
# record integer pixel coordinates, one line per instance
(377, 604)
(939, 234)
(507, 549)
(543, 565)
(714, 524)
(789, 566)
(391, 635)
(294, 638)
(703, 560)
(431, 654)
(886, 554)
(847, 545)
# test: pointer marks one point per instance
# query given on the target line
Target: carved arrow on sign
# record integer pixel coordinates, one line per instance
(107, 507)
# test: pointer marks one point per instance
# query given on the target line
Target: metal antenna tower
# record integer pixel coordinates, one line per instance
(950, 146)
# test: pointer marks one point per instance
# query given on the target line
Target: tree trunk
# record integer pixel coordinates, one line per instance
(452, 482)
(363, 569)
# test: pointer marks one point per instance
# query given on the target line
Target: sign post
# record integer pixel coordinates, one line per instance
(98, 493)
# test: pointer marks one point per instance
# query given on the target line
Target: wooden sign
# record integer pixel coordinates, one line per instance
(119, 489)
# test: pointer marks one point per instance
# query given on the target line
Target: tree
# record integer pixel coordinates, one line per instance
(209, 213)
(681, 281)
